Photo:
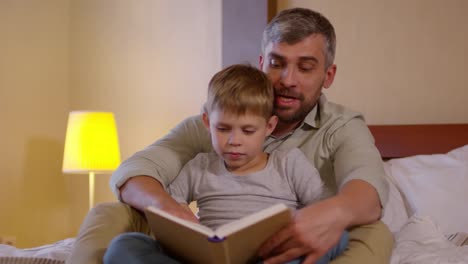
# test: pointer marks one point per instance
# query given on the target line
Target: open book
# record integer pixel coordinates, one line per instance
(236, 242)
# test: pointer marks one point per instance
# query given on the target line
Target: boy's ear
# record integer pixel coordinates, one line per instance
(206, 120)
(271, 124)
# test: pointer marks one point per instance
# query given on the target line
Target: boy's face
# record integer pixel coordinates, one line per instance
(238, 140)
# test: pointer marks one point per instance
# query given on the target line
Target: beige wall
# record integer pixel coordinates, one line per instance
(146, 61)
(149, 61)
(399, 61)
(34, 91)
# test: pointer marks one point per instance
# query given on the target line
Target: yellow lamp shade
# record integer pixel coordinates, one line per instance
(91, 143)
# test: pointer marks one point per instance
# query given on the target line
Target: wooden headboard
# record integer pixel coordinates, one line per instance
(396, 141)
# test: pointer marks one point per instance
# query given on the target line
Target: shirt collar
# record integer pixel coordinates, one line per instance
(312, 119)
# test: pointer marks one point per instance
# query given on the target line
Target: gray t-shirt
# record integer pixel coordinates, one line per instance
(222, 197)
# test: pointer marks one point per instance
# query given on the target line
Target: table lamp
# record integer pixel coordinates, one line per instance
(91, 145)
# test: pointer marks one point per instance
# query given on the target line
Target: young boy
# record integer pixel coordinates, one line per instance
(238, 175)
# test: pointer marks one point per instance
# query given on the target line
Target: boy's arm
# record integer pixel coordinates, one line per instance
(186, 207)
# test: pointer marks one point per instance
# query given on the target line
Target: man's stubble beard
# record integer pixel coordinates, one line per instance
(303, 110)
(298, 116)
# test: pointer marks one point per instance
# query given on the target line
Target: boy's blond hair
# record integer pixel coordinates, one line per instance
(240, 89)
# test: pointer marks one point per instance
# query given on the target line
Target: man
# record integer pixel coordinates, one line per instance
(298, 50)
(238, 175)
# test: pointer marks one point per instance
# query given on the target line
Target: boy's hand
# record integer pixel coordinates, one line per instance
(193, 217)
(182, 211)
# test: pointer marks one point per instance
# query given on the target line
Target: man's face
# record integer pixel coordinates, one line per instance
(298, 74)
(238, 139)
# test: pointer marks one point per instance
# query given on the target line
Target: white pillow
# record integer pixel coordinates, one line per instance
(436, 186)
(395, 214)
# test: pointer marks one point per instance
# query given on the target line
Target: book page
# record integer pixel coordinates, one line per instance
(249, 220)
(194, 226)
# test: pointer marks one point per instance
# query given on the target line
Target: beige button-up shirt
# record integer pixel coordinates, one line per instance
(336, 140)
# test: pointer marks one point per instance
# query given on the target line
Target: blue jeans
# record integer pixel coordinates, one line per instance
(138, 248)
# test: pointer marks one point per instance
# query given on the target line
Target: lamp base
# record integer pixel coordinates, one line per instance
(91, 190)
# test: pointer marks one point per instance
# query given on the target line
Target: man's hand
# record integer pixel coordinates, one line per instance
(314, 230)
(317, 228)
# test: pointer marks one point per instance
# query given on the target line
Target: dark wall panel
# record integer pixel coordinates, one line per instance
(243, 24)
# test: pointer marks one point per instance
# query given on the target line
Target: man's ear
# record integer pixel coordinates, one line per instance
(260, 62)
(329, 76)
(206, 120)
(271, 125)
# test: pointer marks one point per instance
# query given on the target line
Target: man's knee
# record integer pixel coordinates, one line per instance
(368, 244)
(104, 222)
(115, 216)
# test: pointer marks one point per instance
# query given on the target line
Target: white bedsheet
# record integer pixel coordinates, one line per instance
(420, 241)
(58, 250)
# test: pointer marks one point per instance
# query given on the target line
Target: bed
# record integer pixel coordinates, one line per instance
(427, 172)
(427, 169)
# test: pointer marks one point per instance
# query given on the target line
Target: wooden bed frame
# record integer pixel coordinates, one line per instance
(396, 141)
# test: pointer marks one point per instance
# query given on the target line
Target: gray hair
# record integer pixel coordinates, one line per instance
(293, 25)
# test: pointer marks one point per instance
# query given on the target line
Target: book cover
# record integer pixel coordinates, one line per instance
(235, 243)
